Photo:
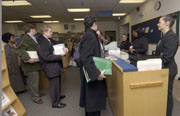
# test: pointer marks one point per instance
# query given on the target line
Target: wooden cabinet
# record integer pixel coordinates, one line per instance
(9, 99)
(142, 93)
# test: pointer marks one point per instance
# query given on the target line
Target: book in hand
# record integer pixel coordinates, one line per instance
(102, 64)
(58, 49)
(33, 55)
(4, 99)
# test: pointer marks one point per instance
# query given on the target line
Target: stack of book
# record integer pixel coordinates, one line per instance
(149, 64)
(58, 49)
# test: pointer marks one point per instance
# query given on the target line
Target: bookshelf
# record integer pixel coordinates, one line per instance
(10, 102)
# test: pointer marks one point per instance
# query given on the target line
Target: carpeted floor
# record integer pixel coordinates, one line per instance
(176, 91)
(70, 88)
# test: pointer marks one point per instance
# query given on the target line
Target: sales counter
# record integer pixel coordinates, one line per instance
(133, 93)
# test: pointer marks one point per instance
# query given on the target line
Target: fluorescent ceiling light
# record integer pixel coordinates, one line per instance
(16, 3)
(14, 21)
(50, 21)
(78, 19)
(41, 16)
(131, 1)
(118, 14)
(78, 10)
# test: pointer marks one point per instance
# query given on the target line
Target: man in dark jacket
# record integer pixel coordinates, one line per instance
(166, 49)
(51, 65)
(93, 94)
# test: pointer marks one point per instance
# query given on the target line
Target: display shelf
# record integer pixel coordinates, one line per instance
(10, 98)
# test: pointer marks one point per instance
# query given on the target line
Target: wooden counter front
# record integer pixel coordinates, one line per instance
(138, 93)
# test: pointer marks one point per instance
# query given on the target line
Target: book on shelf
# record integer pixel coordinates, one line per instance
(33, 55)
(10, 112)
(5, 100)
(58, 49)
(102, 64)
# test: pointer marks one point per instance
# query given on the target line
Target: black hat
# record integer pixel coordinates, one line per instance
(6, 37)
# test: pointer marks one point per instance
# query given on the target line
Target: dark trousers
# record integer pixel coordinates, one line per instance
(55, 90)
(98, 113)
(170, 96)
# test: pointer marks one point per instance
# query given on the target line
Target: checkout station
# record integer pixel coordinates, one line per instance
(135, 92)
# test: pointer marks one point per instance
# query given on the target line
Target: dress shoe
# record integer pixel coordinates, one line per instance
(60, 105)
(39, 101)
(41, 94)
(62, 96)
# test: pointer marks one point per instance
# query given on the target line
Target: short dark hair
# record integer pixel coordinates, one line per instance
(88, 21)
(28, 27)
(169, 18)
(6, 37)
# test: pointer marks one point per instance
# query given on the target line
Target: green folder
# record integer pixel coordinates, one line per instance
(101, 64)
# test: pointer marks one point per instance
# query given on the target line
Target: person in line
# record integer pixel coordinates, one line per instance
(30, 66)
(125, 44)
(51, 65)
(93, 94)
(139, 47)
(166, 50)
(15, 77)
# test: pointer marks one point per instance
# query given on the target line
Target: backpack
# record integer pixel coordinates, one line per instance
(76, 55)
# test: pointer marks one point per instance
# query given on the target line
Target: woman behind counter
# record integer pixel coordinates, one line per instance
(139, 47)
(166, 50)
(125, 44)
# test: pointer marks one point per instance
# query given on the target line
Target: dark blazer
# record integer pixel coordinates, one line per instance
(140, 45)
(166, 49)
(125, 45)
(93, 94)
(50, 63)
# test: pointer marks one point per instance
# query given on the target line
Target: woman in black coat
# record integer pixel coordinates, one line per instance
(166, 50)
(139, 47)
(93, 94)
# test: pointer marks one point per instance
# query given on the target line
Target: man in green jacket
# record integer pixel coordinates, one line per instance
(30, 66)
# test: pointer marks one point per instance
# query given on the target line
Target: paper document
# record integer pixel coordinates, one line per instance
(33, 55)
(58, 49)
(4, 99)
(101, 64)
(149, 64)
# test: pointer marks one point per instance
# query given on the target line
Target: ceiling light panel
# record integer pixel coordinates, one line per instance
(14, 21)
(16, 3)
(131, 1)
(40, 16)
(50, 21)
(78, 10)
(118, 14)
(78, 19)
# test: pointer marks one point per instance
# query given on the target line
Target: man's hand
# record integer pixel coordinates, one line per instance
(31, 61)
(132, 50)
(101, 76)
(65, 51)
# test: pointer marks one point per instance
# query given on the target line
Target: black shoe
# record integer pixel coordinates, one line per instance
(60, 105)
(62, 96)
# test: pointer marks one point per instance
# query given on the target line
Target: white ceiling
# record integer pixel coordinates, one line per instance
(58, 9)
